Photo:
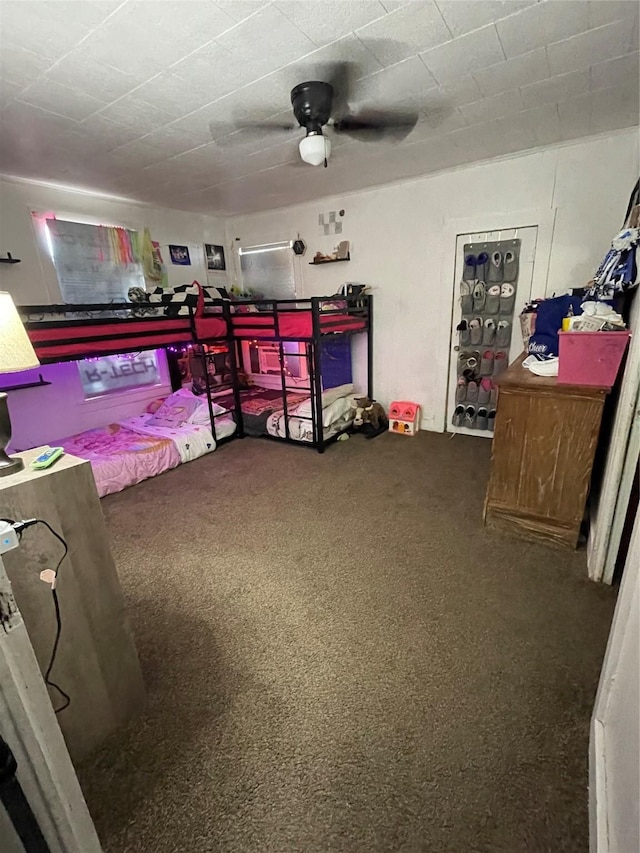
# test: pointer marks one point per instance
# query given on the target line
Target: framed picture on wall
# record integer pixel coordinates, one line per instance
(180, 255)
(215, 257)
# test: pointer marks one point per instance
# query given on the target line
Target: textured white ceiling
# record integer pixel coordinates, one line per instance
(119, 96)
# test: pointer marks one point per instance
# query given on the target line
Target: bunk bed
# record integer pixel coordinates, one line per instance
(129, 451)
(311, 401)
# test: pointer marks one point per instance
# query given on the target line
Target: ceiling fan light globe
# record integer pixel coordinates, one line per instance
(315, 149)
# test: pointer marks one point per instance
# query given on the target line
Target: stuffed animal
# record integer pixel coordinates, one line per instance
(370, 412)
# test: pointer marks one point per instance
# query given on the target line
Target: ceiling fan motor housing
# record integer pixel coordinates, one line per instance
(312, 104)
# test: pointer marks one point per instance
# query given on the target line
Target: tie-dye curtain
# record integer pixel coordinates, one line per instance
(95, 263)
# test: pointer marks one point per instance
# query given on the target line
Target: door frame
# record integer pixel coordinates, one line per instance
(542, 218)
(628, 598)
(601, 546)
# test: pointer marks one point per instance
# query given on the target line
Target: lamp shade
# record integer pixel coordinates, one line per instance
(16, 351)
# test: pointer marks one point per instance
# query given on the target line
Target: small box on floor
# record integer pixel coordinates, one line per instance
(404, 417)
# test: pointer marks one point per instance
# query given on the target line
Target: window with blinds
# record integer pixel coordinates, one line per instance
(94, 263)
(268, 270)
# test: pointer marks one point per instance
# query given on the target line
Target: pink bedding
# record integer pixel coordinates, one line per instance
(120, 457)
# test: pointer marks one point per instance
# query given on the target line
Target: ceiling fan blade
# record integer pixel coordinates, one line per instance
(234, 134)
(372, 126)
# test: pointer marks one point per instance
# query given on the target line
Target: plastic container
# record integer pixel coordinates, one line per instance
(591, 358)
(404, 417)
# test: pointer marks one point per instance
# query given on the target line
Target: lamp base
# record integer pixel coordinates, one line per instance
(9, 465)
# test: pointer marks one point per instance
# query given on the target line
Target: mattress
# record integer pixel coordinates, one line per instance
(263, 412)
(53, 343)
(293, 324)
(123, 454)
(336, 417)
(258, 404)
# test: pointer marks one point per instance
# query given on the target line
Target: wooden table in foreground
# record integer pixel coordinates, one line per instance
(97, 663)
(543, 449)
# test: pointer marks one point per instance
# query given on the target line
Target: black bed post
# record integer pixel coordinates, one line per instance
(317, 371)
(234, 349)
(174, 370)
(235, 354)
(208, 387)
(370, 348)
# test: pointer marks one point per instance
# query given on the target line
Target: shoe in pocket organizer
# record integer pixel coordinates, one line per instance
(495, 272)
(484, 392)
(479, 297)
(510, 266)
(482, 417)
(482, 266)
(507, 298)
(492, 304)
(488, 332)
(466, 296)
(503, 333)
(469, 420)
(475, 331)
(501, 362)
(468, 360)
(487, 363)
(464, 333)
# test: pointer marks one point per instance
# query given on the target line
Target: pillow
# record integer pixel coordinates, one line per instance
(206, 295)
(174, 413)
(152, 407)
(176, 300)
(200, 416)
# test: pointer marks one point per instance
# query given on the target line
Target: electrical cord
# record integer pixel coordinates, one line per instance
(20, 527)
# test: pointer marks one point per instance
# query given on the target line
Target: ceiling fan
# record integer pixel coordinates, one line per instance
(321, 104)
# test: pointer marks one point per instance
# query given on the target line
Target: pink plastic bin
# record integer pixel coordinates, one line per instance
(591, 358)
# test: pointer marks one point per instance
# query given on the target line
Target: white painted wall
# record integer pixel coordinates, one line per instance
(396, 234)
(34, 281)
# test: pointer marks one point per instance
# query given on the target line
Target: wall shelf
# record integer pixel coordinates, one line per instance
(39, 384)
(332, 261)
(9, 259)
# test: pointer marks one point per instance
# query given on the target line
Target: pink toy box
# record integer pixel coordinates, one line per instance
(591, 358)
(404, 418)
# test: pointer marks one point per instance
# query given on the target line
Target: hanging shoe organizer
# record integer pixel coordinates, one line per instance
(487, 295)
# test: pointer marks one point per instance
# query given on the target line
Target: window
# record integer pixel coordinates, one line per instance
(94, 263)
(268, 270)
(118, 373)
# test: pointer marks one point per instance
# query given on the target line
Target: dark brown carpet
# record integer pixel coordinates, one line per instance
(339, 657)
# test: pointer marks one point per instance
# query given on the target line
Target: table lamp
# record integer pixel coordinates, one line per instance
(16, 353)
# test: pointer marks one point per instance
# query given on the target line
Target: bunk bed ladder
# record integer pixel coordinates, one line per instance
(283, 383)
(207, 382)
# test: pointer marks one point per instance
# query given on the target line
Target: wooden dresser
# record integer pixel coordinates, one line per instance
(543, 449)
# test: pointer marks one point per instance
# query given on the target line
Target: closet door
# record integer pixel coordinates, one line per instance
(485, 332)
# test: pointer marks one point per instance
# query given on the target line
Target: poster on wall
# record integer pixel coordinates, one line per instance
(215, 257)
(180, 255)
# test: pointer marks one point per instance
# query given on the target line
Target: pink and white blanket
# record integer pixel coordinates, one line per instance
(126, 453)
